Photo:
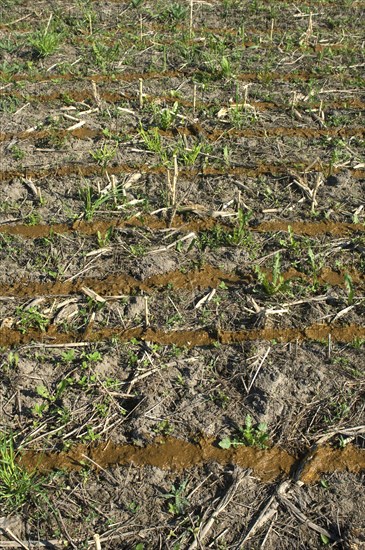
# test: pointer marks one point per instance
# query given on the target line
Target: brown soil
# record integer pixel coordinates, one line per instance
(175, 454)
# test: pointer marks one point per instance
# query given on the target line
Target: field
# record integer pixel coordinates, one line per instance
(182, 276)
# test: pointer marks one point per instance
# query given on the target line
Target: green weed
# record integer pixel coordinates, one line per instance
(17, 485)
(104, 155)
(45, 43)
(31, 318)
(178, 502)
(164, 118)
(249, 435)
(350, 289)
(94, 201)
(276, 283)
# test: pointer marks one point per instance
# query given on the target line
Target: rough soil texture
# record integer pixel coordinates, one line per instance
(182, 277)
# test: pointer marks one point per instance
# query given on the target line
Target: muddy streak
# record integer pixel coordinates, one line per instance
(115, 284)
(155, 27)
(87, 170)
(311, 229)
(175, 454)
(187, 338)
(152, 222)
(165, 453)
(308, 133)
(302, 76)
(83, 95)
(207, 277)
(326, 460)
(92, 228)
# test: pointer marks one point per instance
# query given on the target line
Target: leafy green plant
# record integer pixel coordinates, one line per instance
(177, 11)
(153, 142)
(31, 318)
(17, 485)
(276, 283)
(226, 68)
(104, 155)
(314, 265)
(250, 436)
(105, 55)
(164, 118)
(188, 156)
(178, 502)
(17, 153)
(12, 360)
(45, 43)
(33, 218)
(104, 238)
(240, 232)
(163, 428)
(219, 236)
(350, 289)
(93, 201)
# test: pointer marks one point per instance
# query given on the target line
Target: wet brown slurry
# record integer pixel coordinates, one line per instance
(206, 277)
(83, 95)
(93, 169)
(175, 454)
(152, 222)
(308, 133)
(302, 76)
(187, 338)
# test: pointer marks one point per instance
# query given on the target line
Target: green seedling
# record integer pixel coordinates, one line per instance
(227, 156)
(178, 502)
(17, 485)
(133, 508)
(104, 155)
(104, 238)
(12, 360)
(188, 156)
(31, 318)
(33, 219)
(314, 265)
(239, 234)
(68, 356)
(94, 201)
(45, 43)
(350, 289)
(277, 282)
(342, 441)
(17, 153)
(105, 55)
(164, 118)
(324, 539)
(226, 68)
(249, 435)
(177, 11)
(164, 428)
(153, 142)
